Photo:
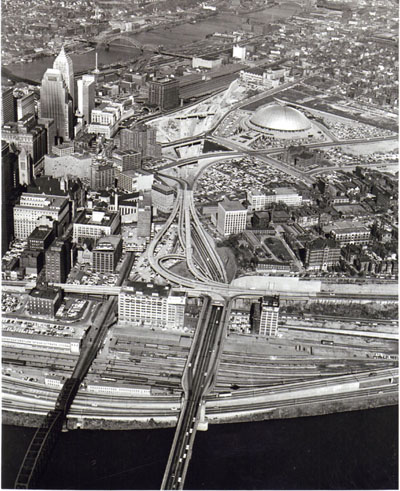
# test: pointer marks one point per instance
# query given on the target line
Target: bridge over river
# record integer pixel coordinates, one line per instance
(38, 453)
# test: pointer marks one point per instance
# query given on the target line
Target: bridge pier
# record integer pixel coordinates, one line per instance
(203, 423)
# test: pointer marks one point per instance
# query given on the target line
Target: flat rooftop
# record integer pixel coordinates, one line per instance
(147, 289)
(95, 217)
(45, 201)
(110, 242)
(229, 205)
(45, 293)
(40, 233)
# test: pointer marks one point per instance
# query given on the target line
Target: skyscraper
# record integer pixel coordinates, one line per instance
(25, 170)
(58, 261)
(8, 106)
(8, 165)
(232, 217)
(25, 105)
(86, 94)
(64, 63)
(140, 137)
(56, 104)
(27, 134)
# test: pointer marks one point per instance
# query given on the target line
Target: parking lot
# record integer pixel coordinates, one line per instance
(12, 302)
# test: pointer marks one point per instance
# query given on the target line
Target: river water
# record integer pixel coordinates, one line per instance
(353, 450)
(176, 36)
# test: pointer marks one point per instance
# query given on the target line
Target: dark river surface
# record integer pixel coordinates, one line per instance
(353, 450)
(175, 36)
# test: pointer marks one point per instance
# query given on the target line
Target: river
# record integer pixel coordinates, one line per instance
(175, 36)
(352, 450)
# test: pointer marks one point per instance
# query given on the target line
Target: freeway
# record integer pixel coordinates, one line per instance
(191, 232)
(197, 384)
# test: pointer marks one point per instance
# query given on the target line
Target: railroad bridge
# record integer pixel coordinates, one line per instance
(37, 455)
(123, 40)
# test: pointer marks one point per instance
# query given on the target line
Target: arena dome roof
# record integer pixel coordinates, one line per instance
(280, 118)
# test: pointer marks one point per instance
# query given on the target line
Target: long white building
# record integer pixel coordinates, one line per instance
(148, 304)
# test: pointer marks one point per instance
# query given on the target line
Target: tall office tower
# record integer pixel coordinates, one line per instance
(8, 106)
(102, 175)
(49, 125)
(140, 137)
(86, 94)
(25, 105)
(8, 163)
(144, 216)
(269, 316)
(58, 261)
(164, 93)
(127, 160)
(25, 168)
(232, 217)
(28, 134)
(64, 63)
(55, 103)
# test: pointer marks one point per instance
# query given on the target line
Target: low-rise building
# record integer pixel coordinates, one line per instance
(212, 61)
(289, 196)
(45, 301)
(53, 344)
(358, 234)
(127, 206)
(259, 200)
(117, 389)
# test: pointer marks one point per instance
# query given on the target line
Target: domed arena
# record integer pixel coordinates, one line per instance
(279, 121)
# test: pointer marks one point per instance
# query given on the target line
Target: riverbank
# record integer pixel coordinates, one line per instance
(315, 409)
(178, 35)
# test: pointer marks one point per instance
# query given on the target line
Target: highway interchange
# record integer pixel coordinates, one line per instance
(205, 360)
